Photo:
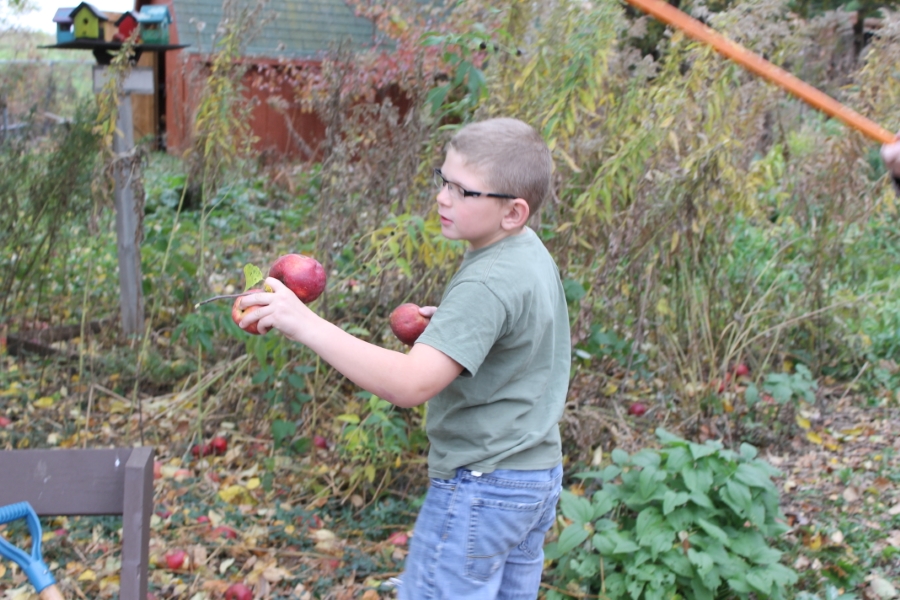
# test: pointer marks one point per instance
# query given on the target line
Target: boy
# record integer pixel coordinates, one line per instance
(493, 364)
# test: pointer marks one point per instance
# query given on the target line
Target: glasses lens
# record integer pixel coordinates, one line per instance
(438, 180)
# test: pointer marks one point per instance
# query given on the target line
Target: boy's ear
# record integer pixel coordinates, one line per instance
(517, 213)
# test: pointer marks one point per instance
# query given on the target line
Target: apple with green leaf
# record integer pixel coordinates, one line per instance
(238, 313)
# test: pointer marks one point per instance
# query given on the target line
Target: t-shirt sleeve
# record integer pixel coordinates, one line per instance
(466, 325)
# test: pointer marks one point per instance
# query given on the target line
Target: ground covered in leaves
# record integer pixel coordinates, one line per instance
(230, 508)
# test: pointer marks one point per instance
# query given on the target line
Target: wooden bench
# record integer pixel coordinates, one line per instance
(113, 481)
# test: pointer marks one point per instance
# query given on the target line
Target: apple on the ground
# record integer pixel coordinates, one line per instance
(238, 591)
(175, 559)
(303, 275)
(407, 323)
(637, 409)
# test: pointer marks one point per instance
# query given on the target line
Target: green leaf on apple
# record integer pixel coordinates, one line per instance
(252, 276)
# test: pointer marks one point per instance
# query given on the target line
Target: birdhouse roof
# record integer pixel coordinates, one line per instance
(295, 29)
(63, 16)
(154, 14)
(86, 6)
(124, 16)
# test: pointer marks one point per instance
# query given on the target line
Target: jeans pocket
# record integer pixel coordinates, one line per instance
(443, 484)
(495, 528)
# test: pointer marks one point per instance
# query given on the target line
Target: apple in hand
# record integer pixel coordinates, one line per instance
(303, 275)
(407, 323)
(238, 313)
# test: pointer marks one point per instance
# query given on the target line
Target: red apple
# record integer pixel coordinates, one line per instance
(199, 450)
(218, 445)
(175, 559)
(320, 442)
(238, 591)
(407, 324)
(398, 538)
(238, 313)
(741, 370)
(303, 275)
(5, 422)
(637, 409)
(224, 531)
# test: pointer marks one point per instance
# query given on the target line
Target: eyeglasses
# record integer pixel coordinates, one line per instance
(457, 191)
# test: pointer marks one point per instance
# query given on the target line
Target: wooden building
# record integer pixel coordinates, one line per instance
(297, 35)
(88, 21)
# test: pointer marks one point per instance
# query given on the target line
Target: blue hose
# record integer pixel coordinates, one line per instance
(33, 566)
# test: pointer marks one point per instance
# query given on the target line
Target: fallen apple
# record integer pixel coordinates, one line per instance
(238, 313)
(407, 323)
(175, 559)
(637, 409)
(303, 275)
(238, 591)
(741, 370)
(224, 531)
(5, 422)
(218, 445)
(320, 442)
(398, 538)
(200, 450)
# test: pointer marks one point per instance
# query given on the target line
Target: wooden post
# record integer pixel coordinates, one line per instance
(139, 80)
(127, 222)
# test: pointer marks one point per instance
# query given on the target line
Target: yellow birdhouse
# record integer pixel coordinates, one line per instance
(87, 22)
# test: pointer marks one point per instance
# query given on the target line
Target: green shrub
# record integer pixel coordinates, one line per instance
(685, 521)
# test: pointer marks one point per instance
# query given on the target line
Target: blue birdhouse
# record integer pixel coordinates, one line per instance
(64, 31)
(154, 22)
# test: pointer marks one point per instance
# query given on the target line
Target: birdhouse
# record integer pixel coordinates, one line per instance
(88, 22)
(154, 22)
(63, 20)
(126, 25)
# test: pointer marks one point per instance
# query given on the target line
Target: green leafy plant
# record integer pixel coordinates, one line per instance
(686, 521)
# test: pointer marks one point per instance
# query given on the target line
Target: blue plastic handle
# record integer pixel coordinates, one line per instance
(33, 566)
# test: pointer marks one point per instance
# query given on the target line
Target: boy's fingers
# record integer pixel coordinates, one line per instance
(427, 311)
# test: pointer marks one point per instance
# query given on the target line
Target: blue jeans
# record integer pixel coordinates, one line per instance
(481, 537)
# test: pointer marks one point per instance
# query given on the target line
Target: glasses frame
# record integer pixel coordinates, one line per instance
(468, 193)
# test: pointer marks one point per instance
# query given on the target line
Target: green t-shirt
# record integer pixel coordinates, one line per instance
(503, 317)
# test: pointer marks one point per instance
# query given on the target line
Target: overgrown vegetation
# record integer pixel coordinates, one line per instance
(731, 260)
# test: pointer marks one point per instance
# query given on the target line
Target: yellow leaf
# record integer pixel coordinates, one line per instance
(814, 437)
(610, 389)
(675, 238)
(232, 493)
(289, 529)
(803, 423)
(44, 402)
(2, 571)
(253, 483)
(88, 575)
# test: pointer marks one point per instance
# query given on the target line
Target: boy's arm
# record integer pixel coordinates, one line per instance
(402, 379)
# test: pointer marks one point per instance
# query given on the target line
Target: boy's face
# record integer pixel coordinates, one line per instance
(475, 219)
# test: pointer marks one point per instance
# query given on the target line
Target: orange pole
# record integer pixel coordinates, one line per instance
(754, 63)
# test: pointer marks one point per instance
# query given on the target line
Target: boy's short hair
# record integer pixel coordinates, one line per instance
(511, 157)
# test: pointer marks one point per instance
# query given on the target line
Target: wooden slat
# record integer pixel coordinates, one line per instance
(54, 482)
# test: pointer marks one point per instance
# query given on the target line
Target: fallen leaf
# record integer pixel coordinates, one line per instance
(850, 494)
(882, 589)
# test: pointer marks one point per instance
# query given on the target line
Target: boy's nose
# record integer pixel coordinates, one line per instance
(443, 196)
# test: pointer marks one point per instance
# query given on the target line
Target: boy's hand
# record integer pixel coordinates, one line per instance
(890, 154)
(280, 309)
(427, 311)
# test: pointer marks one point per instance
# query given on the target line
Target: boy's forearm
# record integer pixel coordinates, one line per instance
(401, 379)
